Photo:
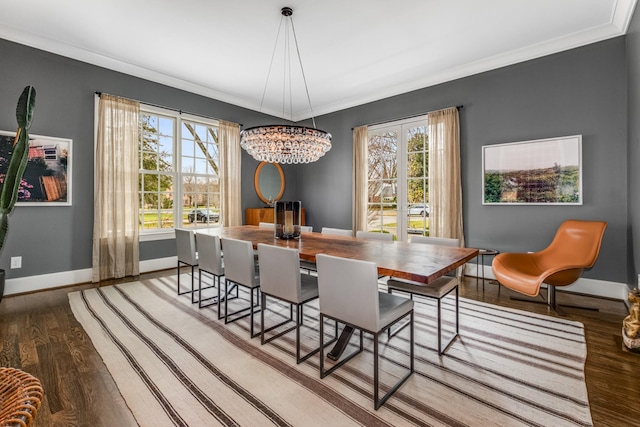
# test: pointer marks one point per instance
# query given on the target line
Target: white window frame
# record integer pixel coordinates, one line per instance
(400, 127)
(176, 172)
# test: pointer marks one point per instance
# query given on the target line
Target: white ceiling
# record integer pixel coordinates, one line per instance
(353, 51)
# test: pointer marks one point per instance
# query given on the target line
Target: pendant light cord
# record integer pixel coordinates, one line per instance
(287, 55)
(304, 78)
(273, 55)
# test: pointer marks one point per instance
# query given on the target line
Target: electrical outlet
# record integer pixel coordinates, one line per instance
(638, 284)
(16, 262)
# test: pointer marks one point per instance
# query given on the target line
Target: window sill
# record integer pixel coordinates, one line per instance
(158, 235)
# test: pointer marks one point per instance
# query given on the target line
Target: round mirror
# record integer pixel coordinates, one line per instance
(269, 182)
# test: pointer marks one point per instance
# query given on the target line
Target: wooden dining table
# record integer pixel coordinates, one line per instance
(418, 262)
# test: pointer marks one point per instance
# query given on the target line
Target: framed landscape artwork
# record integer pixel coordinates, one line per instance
(540, 172)
(47, 177)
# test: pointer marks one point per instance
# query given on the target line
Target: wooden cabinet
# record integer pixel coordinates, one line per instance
(254, 216)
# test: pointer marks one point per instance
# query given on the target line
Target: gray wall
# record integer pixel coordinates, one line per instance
(55, 239)
(633, 64)
(582, 91)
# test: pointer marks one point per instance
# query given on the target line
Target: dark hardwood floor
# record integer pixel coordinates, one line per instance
(39, 334)
(612, 372)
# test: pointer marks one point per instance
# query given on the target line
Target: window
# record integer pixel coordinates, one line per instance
(51, 152)
(398, 187)
(179, 183)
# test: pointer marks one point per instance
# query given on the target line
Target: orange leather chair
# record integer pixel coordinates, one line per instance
(575, 247)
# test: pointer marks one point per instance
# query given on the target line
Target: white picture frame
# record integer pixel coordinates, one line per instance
(47, 177)
(538, 172)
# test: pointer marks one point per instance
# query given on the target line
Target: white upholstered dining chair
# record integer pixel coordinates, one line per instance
(311, 266)
(280, 278)
(372, 235)
(210, 262)
(187, 255)
(240, 270)
(438, 289)
(442, 241)
(348, 291)
(337, 231)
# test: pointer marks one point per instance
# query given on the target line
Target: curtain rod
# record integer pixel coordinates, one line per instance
(459, 107)
(167, 108)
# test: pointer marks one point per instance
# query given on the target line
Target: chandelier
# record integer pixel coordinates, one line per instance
(286, 143)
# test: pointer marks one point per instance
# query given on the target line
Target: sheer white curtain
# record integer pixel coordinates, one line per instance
(445, 184)
(115, 218)
(230, 176)
(360, 177)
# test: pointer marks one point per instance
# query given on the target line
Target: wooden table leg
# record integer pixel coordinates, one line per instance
(341, 344)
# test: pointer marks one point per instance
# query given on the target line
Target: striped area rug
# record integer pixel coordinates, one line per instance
(177, 365)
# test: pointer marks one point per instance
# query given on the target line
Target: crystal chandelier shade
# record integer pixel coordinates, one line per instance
(286, 143)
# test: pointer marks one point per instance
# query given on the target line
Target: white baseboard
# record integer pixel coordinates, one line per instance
(21, 285)
(41, 282)
(158, 264)
(598, 288)
(601, 288)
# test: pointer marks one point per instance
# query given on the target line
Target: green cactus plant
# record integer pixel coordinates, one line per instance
(18, 161)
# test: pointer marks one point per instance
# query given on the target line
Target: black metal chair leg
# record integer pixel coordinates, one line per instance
(439, 327)
(376, 378)
(192, 291)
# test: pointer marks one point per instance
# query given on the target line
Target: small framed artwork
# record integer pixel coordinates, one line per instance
(540, 172)
(47, 178)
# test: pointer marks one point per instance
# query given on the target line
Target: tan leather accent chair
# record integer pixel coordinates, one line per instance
(575, 247)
